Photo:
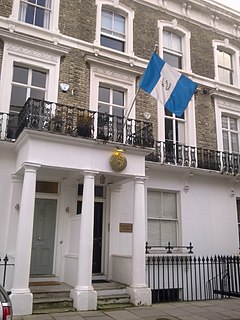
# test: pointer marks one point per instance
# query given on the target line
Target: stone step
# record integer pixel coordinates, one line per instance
(113, 299)
(114, 306)
(52, 303)
(51, 294)
(57, 310)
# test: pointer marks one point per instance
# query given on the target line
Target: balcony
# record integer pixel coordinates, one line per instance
(186, 156)
(55, 118)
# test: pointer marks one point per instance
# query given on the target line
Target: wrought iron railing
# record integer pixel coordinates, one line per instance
(62, 119)
(188, 278)
(168, 248)
(4, 265)
(75, 121)
(178, 154)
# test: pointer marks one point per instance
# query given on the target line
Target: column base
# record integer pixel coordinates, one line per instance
(84, 300)
(22, 303)
(140, 296)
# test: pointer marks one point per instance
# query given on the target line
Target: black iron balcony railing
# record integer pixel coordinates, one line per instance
(74, 121)
(62, 119)
(187, 156)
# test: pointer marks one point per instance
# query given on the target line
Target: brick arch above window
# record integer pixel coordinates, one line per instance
(118, 38)
(182, 35)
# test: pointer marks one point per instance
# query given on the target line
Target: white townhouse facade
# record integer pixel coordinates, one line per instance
(91, 168)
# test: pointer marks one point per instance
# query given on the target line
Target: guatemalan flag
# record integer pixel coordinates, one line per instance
(171, 88)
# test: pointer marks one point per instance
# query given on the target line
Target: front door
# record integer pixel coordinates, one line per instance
(43, 237)
(97, 237)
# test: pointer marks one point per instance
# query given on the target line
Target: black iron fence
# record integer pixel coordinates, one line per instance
(4, 265)
(75, 121)
(187, 278)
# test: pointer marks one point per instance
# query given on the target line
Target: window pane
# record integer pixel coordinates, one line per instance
(41, 2)
(38, 79)
(234, 142)
(119, 23)
(225, 141)
(173, 60)
(168, 233)
(169, 205)
(180, 132)
(119, 112)
(225, 75)
(107, 19)
(168, 129)
(29, 14)
(154, 233)
(46, 187)
(103, 108)
(18, 96)
(39, 19)
(37, 94)
(233, 124)
(176, 43)
(168, 113)
(112, 43)
(118, 97)
(166, 39)
(104, 94)
(154, 204)
(20, 74)
(224, 122)
(224, 59)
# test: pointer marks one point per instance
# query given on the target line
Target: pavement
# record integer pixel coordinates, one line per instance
(225, 309)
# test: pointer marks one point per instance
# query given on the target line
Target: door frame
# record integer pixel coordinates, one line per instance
(104, 236)
(47, 196)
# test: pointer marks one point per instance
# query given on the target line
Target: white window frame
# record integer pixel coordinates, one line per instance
(32, 58)
(185, 35)
(230, 132)
(234, 52)
(54, 16)
(177, 220)
(229, 108)
(170, 50)
(189, 113)
(28, 86)
(115, 6)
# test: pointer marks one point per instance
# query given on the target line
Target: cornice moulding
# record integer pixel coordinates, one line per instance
(19, 38)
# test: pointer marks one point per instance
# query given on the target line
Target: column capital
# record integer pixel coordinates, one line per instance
(140, 179)
(17, 178)
(30, 166)
(90, 173)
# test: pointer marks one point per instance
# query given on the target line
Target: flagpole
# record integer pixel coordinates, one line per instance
(130, 109)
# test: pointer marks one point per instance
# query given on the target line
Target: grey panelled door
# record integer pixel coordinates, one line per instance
(43, 237)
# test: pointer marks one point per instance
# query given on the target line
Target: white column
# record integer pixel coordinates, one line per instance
(85, 298)
(21, 296)
(139, 293)
(115, 209)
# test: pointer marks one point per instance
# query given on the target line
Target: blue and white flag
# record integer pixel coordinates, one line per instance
(171, 88)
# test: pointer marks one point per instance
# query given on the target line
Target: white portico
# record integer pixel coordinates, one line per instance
(73, 248)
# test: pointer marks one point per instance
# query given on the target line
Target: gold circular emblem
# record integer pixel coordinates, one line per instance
(118, 161)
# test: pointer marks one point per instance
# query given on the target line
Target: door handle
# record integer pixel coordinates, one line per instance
(39, 238)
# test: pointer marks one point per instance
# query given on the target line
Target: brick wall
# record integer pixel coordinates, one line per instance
(75, 72)
(6, 8)
(77, 19)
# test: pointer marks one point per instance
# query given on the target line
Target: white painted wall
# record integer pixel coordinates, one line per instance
(208, 216)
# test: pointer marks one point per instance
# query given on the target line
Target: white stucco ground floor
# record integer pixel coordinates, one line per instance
(68, 213)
